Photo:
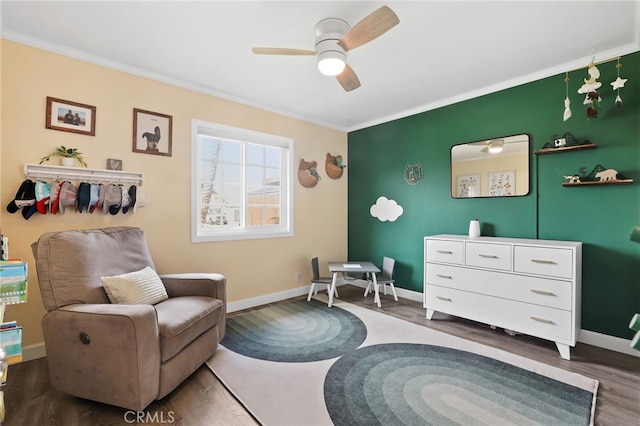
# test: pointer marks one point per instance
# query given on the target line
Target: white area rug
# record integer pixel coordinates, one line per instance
(289, 393)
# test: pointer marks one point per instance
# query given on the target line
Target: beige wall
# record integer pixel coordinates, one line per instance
(253, 268)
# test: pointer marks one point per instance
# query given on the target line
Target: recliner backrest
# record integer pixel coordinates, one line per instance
(70, 263)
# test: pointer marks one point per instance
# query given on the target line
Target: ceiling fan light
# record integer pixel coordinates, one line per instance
(495, 147)
(331, 62)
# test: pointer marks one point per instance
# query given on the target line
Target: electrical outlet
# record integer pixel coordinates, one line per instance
(299, 277)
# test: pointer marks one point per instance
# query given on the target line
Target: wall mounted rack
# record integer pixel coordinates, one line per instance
(565, 148)
(599, 182)
(39, 171)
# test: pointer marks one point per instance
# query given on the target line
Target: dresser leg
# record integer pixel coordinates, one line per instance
(430, 313)
(565, 351)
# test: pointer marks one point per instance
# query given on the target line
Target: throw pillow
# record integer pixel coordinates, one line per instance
(142, 287)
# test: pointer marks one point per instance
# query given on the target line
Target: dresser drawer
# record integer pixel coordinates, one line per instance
(551, 262)
(539, 321)
(536, 290)
(493, 256)
(444, 251)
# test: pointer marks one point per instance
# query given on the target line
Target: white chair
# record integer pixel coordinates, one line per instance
(386, 279)
(317, 279)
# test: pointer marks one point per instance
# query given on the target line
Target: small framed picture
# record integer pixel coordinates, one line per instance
(70, 116)
(502, 183)
(114, 164)
(151, 132)
(468, 186)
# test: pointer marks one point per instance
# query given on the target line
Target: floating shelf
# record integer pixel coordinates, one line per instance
(39, 171)
(597, 182)
(565, 149)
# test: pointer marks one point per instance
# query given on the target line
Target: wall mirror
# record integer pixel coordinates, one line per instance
(497, 167)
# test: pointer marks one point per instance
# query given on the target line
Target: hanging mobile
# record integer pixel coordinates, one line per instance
(590, 90)
(567, 102)
(617, 84)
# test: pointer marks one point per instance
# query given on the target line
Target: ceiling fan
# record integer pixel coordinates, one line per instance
(492, 146)
(334, 39)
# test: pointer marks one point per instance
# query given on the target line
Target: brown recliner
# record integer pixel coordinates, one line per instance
(124, 355)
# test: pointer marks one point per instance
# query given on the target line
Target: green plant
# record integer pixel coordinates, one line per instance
(63, 151)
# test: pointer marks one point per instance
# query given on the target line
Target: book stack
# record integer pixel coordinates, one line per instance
(13, 289)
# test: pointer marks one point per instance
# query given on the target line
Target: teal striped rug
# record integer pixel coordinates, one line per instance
(302, 363)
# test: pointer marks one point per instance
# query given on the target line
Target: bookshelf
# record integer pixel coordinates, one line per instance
(13, 290)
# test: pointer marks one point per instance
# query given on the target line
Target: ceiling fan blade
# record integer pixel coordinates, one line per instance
(370, 27)
(281, 51)
(488, 142)
(348, 79)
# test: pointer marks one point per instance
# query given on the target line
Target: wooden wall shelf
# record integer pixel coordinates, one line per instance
(597, 182)
(565, 149)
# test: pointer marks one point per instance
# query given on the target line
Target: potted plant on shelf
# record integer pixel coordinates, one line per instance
(68, 156)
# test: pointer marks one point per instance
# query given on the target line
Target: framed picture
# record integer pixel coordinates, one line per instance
(70, 116)
(114, 164)
(151, 132)
(468, 186)
(502, 183)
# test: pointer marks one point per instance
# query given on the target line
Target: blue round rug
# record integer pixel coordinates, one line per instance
(299, 331)
(415, 384)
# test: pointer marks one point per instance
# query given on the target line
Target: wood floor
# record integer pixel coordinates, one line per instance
(203, 400)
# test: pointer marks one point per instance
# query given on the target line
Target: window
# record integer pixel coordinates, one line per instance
(241, 184)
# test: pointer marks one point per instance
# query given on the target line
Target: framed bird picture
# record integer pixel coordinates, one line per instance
(151, 132)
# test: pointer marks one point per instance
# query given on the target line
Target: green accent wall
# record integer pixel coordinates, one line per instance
(601, 217)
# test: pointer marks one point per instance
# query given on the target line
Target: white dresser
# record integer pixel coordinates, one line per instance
(528, 286)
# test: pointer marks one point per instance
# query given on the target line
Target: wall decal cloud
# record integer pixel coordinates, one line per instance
(386, 210)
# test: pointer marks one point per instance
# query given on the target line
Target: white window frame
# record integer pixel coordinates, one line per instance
(285, 226)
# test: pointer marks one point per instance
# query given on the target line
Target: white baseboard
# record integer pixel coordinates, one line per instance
(31, 352)
(612, 343)
(267, 298)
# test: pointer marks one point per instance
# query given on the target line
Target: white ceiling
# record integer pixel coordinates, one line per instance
(441, 52)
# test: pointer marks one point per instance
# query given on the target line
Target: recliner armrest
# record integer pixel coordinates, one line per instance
(200, 284)
(104, 352)
(196, 284)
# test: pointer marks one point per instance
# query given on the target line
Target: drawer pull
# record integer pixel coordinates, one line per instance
(444, 251)
(546, 321)
(543, 261)
(446, 299)
(448, 277)
(488, 256)
(543, 292)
